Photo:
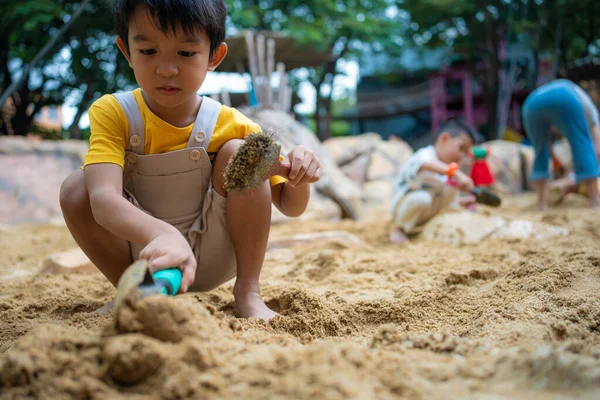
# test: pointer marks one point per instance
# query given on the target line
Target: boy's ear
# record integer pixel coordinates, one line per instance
(444, 136)
(123, 48)
(218, 56)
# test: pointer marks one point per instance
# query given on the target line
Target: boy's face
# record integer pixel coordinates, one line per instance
(170, 68)
(454, 149)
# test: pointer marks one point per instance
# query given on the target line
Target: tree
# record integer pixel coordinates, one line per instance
(97, 67)
(82, 65)
(478, 29)
(22, 28)
(345, 28)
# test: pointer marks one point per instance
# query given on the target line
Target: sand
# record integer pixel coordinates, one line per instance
(503, 318)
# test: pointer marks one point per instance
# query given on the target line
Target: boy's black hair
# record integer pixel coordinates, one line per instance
(455, 128)
(192, 16)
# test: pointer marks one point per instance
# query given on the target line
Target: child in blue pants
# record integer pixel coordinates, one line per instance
(565, 106)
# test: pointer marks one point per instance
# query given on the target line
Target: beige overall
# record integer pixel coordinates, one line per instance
(176, 187)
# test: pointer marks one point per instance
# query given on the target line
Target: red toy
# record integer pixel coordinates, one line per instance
(480, 173)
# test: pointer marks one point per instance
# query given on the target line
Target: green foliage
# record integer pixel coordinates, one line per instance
(85, 60)
(46, 133)
(344, 28)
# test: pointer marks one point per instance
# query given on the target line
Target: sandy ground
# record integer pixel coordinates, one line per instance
(514, 318)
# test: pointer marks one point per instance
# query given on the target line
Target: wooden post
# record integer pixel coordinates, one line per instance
(468, 99)
(437, 89)
(288, 99)
(270, 69)
(283, 84)
(239, 66)
(262, 69)
(252, 63)
(225, 99)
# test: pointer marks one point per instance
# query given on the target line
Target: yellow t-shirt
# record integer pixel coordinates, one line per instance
(110, 132)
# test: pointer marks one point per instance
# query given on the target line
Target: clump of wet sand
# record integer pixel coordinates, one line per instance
(507, 317)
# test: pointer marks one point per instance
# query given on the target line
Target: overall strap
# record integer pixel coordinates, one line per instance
(205, 123)
(134, 117)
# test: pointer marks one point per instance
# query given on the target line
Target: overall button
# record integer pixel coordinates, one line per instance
(132, 158)
(200, 137)
(195, 155)
(135, 140)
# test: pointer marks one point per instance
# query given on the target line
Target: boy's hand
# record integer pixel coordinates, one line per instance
(171, 250)
(305, 166)
(464, 182)
(467, 201)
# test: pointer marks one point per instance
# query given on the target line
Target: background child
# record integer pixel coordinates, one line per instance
(152, 183)
(420, 190)
(565, 106)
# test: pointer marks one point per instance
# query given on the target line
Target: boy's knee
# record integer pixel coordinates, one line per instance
(419, 200)
(225, 153)
(229, 149)
(73, 193)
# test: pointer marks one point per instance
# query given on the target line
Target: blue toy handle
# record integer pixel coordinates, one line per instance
(171, 280)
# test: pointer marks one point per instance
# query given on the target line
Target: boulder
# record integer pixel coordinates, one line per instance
(333, 183)
(31, 172)
(319, 208)
(465, 227)
(69, 261)
(377, 195)
(357, 168)
(461, 227)
(511, 163)
(387, 159)
(344, 149)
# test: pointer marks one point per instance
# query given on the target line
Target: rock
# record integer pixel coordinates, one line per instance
(461, 227)
(376, 195)
(31, 173)
(387, 159)
(562, 151)
(291, 241)
(344, 149)
(333, 183)
(510, 162)
(68, 261)
(357, 168)
(320, 208)
(527, 229)
(384, 158)
(466, 227)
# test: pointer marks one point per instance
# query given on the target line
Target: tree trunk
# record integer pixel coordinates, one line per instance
(21, 121)
(492, 76)
(74, 130)
(323, 110)
(42, 53)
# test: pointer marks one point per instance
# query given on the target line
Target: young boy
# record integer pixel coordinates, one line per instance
(563, 105)
(152, 182)
(420, 190)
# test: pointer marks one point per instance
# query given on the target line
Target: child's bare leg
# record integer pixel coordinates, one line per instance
(592, 191)
(249, 222)
(109, 253)
(540, 189)
(397, 235)
(412, 209)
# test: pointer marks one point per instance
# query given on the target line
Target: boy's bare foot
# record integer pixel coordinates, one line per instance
(397, 236)
(250, 305)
